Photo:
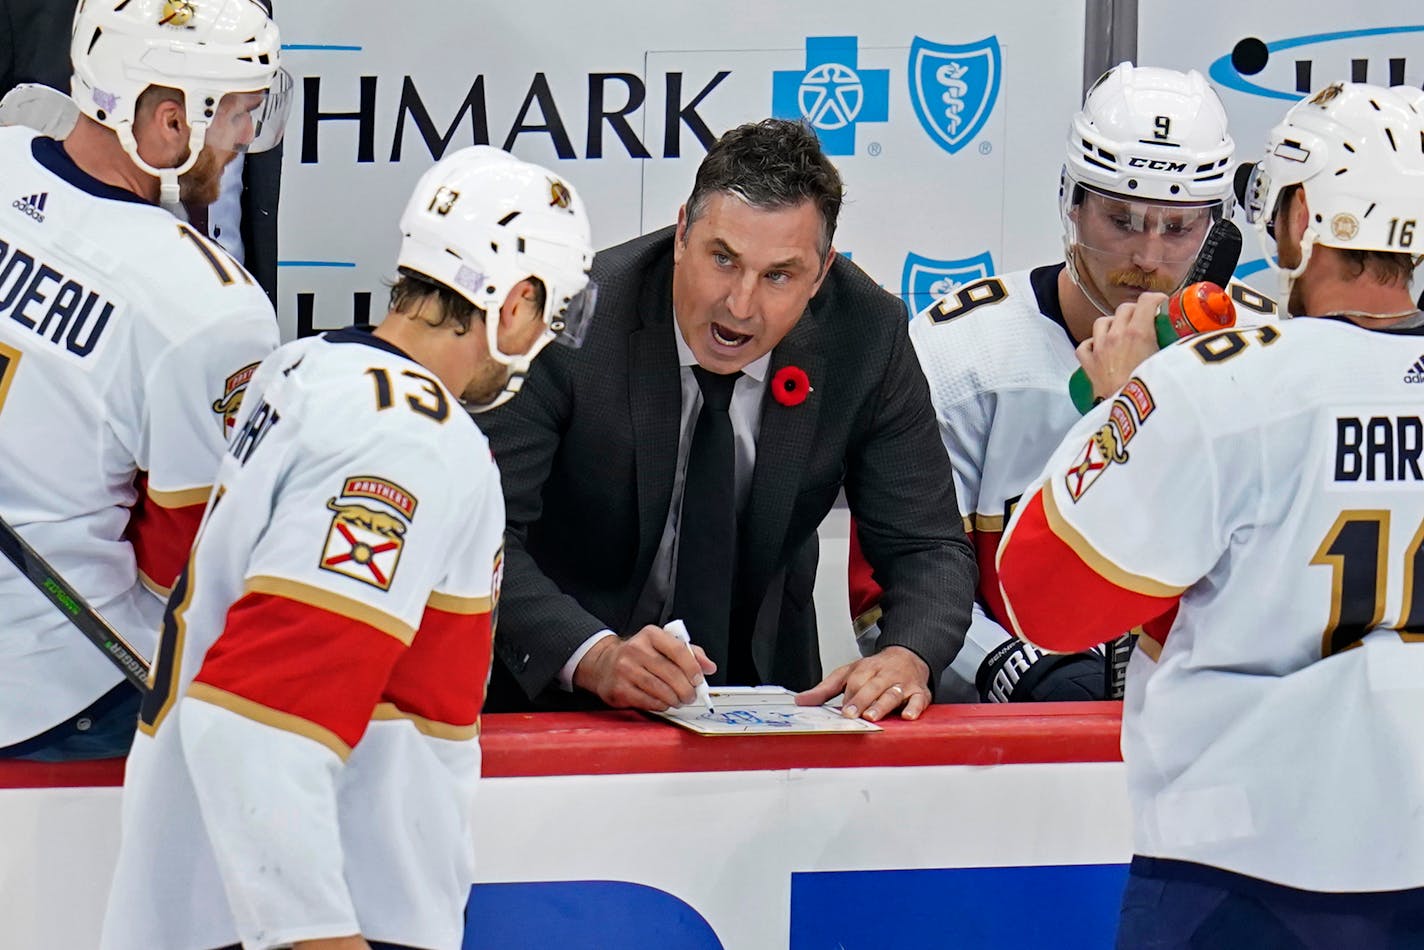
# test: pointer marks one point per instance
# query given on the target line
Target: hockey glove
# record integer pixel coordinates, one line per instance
(1017, 672)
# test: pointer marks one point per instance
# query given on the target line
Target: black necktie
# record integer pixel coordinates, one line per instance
(707, 528)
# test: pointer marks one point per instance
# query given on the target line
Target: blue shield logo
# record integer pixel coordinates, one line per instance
(953, 88)
(926, 279)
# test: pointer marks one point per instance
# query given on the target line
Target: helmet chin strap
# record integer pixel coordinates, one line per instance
(1288, 277)
(168, 187)
(518, 364)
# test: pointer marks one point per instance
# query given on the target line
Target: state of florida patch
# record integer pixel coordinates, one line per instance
(365, 542)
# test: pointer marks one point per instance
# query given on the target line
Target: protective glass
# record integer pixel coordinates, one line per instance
(571, 326)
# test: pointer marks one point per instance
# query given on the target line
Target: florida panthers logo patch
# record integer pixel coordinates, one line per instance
(230, 401)
(363, 542)
(1108, 446)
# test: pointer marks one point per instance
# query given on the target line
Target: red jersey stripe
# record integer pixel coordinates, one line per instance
(442, 677)
(1040, 570)
(161, 528)
(297, 659)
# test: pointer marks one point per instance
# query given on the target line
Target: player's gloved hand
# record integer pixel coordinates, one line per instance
(1018, 672)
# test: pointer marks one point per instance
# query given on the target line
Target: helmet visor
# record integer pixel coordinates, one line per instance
(251, 121)
(1157, 233)
(571, 326)
(270, 121)
(1262, 203)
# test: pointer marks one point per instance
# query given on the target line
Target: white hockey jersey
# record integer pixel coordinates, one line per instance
(126, 340)
(1268, 481)
(307, 760)
(998, 357)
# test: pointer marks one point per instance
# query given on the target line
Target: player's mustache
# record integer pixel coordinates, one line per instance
(1136, 277)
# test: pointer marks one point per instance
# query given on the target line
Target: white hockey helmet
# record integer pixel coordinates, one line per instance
(1357, 150)
(479, 222)
(1148, 136)
(1153, 134)
(204, 48)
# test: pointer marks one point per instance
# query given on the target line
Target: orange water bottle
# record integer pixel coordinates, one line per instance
(1196, 308)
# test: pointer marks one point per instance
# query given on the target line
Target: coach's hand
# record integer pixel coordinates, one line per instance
(875, 686)
(650, 670)
(1120, 343)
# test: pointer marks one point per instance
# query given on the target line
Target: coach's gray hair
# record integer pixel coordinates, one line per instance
(771, 164)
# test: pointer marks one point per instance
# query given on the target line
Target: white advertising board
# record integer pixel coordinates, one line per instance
(946, 121)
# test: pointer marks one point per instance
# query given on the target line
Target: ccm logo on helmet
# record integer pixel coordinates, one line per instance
(1157, 164)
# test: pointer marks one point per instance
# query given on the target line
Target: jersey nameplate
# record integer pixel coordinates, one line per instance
(55, 308)
(1378, 449)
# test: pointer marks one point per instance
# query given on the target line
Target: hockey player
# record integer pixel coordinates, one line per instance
(307, 758)
(1148, 171)
(126, 341)
(1273, 480)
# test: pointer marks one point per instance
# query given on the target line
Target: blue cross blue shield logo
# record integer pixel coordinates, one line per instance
(832, 93)
(926, 279)
(953, 88)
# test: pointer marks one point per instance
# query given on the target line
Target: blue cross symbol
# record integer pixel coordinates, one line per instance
(831, 93)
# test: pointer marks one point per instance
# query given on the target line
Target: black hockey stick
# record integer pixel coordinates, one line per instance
(73, 605)
(1216, 261)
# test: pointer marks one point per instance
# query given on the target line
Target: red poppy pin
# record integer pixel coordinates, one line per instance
(790, 386)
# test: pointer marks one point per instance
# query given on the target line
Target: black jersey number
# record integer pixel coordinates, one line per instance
(1228, 344)
(427, 397)
(1244, 296)
(967, 298)
(222, 263)
(1355, 549)
(163, 678)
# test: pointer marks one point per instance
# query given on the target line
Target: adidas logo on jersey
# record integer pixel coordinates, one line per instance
(1415, 373)
(32, 206)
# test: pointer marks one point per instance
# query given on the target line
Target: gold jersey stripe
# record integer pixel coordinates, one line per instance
(1149, 646)
(867, 620)
(452, 604)
(986, 523)
(326, 600)
(386, 712)
(153, 585)
(1101, 565)
(183, 498)
(257, 712)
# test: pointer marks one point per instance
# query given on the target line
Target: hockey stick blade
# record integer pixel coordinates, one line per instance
(1216, 262)
(73, 605)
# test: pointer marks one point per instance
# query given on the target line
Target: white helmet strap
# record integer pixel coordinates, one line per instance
(168, 188)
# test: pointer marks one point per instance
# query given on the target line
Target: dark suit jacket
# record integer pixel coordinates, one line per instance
(587, 453)
(34, 47)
